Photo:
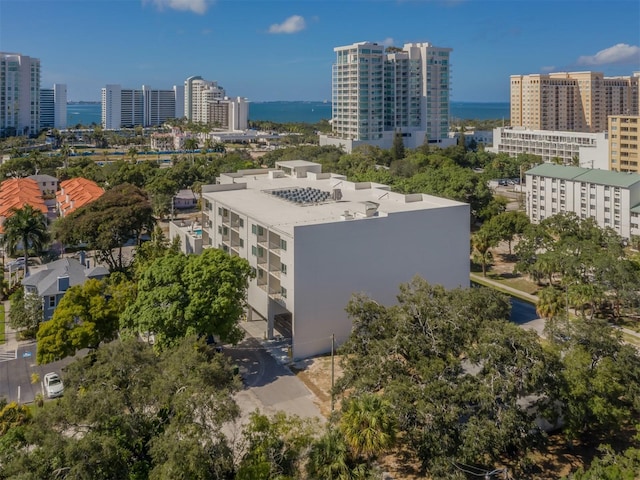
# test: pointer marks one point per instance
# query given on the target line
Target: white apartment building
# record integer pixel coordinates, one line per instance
(611, 198)
(548, 144)
(53, 107)
(314, 239)
(124, 108)
(376, 93)
(206, 102)
(19, 94)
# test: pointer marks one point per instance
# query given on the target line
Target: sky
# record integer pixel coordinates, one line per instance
(270, 50)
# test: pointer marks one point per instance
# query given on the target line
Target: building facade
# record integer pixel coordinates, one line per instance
(571, 101)
(550, 145)
(19, 94)
(624, 147)
(206, 102)
(612, 199)
(378, 93)
(53, 107)
(125, 108)
(315, 238)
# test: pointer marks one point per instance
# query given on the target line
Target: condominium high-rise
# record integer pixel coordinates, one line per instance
(123, 108)
(53, 107)
(197, 95)
(624, 147)
(206, 102)
(571, 101)
(378, 92)
(19, 94)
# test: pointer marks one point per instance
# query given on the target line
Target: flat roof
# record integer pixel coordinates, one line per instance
(587, 175)
(252, 196)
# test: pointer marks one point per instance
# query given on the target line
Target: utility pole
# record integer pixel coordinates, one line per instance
(333, 343)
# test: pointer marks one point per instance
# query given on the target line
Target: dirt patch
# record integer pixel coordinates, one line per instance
(315, 373)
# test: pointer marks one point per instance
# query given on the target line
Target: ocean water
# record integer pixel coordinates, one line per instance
(304, 112)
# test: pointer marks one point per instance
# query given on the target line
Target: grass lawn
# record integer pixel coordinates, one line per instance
(518, 283)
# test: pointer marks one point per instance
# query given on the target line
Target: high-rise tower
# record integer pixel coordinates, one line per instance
(19, 94)
(378, 93)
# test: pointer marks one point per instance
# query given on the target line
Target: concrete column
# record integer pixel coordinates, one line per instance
(270, 322)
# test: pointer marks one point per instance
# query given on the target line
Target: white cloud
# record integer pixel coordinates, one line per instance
(195, 6)
(387, 42)
(618, 54)
(547, 69)
(293, 24)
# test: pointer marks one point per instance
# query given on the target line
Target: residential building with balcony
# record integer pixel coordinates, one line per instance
(612, 199)
(314, 239)
(125, 107)
(75, 193)
(378, 93)
(624, 147)
(19, 94)
(571, 101)
(587, 148)
(206, 102)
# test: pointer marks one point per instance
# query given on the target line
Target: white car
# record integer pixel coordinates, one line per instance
(53, 385)
(16, 264)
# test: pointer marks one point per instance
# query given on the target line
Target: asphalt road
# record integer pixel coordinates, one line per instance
(269, 386)
(15, 374)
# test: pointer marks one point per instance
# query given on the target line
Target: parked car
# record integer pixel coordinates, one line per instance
(53, 385)
(14, 264)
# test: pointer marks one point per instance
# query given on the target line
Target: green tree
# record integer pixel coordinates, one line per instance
(329, 457)
(611, 465)
(368, 425)
(25, 312)
(84, 318)
(274, 447)
(122, 214)
(482, 241)
(397, 149)
(181, 295)
(25, 227)
(135, 415)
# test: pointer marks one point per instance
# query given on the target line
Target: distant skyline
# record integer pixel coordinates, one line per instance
(269, 50)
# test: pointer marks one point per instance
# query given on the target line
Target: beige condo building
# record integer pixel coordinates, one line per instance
(571, 101)
(623, 143)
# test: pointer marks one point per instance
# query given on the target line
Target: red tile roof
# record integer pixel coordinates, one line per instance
(75, 193)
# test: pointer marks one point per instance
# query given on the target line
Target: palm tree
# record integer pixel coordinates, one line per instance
(550, 303)
(482, 242)
(329, 457)
(25, 226)
(367, 425)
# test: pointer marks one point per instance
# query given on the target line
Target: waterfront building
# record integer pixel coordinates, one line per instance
(378, 93)
(124, 108)
(314, 239)
(206, 102)
(19, 94)
(53, 107)
(571, 101)
(551, 146)
(612, 199)
(624, 147)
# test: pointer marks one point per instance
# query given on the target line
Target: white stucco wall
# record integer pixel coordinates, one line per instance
(370, 255)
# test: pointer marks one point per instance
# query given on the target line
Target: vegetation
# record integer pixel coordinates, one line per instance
(25, 227)
(181, 295)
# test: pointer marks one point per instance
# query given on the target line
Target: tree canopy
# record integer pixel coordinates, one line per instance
(120, 215)
(181, 295)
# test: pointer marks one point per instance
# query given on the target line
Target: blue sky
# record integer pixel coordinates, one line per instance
(283, 50)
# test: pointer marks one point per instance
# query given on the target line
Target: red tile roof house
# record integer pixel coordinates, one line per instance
(75, 193)
(15, 193)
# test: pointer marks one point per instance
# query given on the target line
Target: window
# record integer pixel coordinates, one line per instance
(254, 228)
(254, 250)
(220, 211)
(241, 243)
(260, 252)
(52, 301)
(283, 268)
(283, 244)
(283, 292)
(241, 222)
(219, 230)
